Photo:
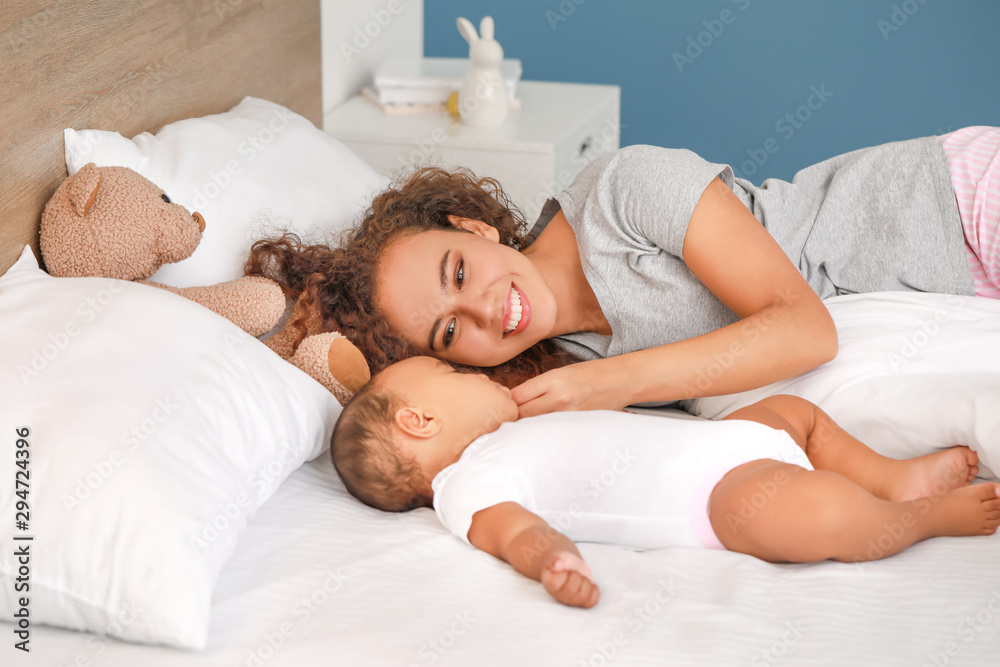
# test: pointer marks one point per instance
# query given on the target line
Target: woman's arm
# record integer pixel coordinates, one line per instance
(513, 534)
(784, 330)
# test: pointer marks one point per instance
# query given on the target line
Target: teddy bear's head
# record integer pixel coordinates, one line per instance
(112, 222)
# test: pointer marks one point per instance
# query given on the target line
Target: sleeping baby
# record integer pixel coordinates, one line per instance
(778, 479)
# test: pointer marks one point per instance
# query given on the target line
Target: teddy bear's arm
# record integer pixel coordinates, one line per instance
(253, 303)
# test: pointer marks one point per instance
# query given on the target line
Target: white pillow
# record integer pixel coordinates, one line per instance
(155, 431)
(915, 373)
(251, 172)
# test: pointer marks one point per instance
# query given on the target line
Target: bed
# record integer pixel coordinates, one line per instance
(313, 577)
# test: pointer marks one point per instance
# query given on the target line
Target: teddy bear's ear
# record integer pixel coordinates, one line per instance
(83, 189)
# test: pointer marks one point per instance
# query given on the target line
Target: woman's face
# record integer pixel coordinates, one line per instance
(463, 296)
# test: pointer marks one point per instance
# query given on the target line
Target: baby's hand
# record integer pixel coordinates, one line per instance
(569, 580)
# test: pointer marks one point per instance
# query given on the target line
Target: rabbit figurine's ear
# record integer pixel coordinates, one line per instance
(486, 27)
(467, 29)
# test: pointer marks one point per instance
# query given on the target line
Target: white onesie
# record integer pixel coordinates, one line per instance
(638, 481)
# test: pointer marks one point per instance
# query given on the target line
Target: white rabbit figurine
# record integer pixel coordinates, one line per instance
(483, 100)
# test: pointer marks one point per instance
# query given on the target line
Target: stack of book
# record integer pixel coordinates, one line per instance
(424, 84)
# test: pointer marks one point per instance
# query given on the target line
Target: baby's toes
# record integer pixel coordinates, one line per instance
(991, 509)
(971, 456)
(988, 493)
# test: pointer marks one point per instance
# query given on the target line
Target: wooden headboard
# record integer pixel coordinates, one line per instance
(133, 66)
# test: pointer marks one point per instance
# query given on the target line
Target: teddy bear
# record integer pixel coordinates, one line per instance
(112, 222)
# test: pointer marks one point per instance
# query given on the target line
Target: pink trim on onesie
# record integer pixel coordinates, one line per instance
(974, 161)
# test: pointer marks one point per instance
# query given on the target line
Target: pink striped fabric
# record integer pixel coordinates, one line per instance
(974, 160)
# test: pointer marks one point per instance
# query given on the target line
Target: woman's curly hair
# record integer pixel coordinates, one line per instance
(339, 281)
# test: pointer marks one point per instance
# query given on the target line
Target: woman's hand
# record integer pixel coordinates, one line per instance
(569, 580)
(589, 385)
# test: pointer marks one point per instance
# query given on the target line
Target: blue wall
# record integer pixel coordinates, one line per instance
(884, 69)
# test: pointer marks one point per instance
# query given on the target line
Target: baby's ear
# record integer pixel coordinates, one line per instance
(413, 422)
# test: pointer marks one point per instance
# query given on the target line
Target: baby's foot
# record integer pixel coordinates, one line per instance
(934, 474)
(972, 510)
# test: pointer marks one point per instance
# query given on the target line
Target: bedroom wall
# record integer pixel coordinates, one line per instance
(721, 77)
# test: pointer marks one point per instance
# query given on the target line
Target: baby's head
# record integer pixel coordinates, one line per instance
(407, 424)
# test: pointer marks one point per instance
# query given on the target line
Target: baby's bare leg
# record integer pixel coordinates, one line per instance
(812, 515)
(830, 447)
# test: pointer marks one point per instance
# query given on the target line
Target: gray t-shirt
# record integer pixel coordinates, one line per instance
(876, 219)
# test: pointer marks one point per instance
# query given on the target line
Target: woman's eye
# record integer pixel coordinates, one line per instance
(460, 274)
(449, 333)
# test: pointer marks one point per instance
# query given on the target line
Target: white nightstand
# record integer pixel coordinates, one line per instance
(537, 152)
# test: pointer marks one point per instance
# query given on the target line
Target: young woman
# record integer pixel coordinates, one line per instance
(668, 277)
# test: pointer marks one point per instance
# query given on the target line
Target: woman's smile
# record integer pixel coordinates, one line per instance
(517, 313)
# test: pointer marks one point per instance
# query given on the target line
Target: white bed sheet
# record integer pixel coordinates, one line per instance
(319, 579)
